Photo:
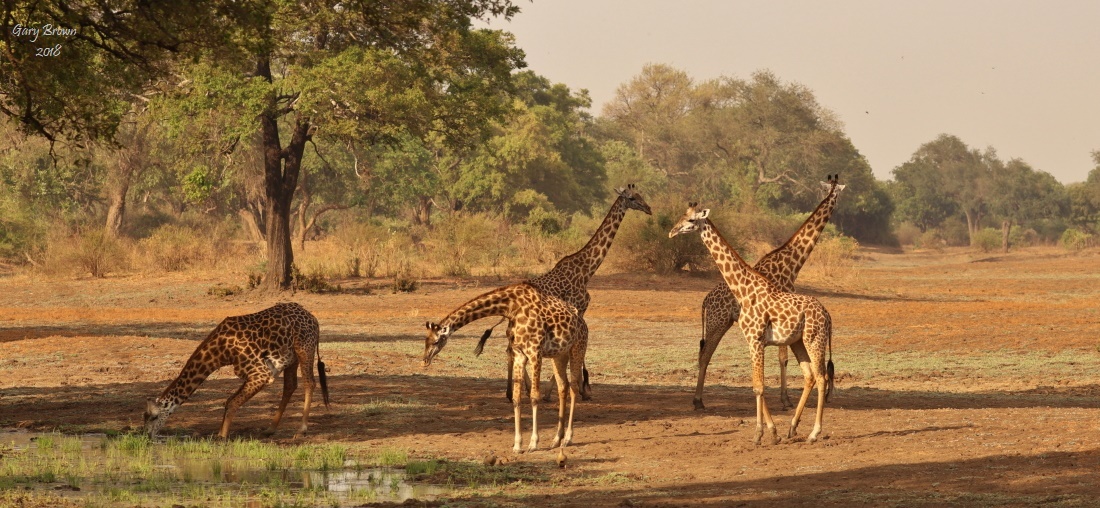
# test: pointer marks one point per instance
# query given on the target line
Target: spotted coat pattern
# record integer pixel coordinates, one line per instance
(542, 326)
(259, 346)
(569, 278)
(781, 267)
(770, 316)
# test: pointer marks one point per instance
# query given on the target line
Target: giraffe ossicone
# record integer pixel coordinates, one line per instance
(781, 266)
(542, 326)
(770, 316)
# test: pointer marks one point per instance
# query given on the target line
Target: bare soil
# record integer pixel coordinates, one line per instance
(963, 378)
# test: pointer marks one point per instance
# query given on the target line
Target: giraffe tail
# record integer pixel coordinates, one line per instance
(830, 372)
(323, 377)
(485, 337)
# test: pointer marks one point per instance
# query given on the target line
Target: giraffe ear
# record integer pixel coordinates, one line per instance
(840, 187)
(445, 330)
(702, 214)
(621, 191)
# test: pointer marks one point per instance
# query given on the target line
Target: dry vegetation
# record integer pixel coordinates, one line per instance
(965, 378)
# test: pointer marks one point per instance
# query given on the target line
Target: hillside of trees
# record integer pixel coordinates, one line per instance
(403, 142)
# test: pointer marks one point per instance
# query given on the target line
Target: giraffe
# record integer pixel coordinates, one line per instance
(569, 278)
(781, 266)
(259, 346)
(543, 326)
(771, 316)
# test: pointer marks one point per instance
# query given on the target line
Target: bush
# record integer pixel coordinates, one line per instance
(955, 233)
(459, 240)
(92, 252)
(930, 239)
(988, 239)
(172, 247)
(908, 234)
(834, 255)
(1074, 239)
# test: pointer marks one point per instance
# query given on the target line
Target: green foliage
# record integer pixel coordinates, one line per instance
(1074, 239)
(987, 240)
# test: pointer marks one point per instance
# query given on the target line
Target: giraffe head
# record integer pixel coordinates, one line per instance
(832, 182)
(633, 199)
(156, 413)
(436, 339)
(691, 220)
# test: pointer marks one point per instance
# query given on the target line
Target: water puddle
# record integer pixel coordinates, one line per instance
(91, 464)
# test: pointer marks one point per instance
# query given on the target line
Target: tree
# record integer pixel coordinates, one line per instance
(1084, 199)
(1021, 194)
(942, 178)
(371, 70)
(540, 156)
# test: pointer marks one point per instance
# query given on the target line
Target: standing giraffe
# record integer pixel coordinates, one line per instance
(259, 346)
(771, 316)
(780, 266)
(568, 280)
(542, 326)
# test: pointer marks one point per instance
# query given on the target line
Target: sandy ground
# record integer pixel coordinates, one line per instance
(964, 378)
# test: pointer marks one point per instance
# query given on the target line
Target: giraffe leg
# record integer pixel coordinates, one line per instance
(290, 383)
(536, 372)
(562, 380)
(763, 416)
(784, 396)
(255, 382)
(511, 358)
(817, 357)
(713, 335)
(807, 375)
(576, 372)
(305, 364)
(519, 365)
(579, 359)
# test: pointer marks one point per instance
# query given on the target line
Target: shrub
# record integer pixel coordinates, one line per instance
(1074, 239)
(834, 255)
(458, 241)
(930, 239)
(175, 247)
(908, 234)
(988, 239)
(97, 252)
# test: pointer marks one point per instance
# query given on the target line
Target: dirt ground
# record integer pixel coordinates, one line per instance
(963, 378)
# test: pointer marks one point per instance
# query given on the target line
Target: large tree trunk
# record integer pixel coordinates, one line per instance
(971, 225)
(281, 168)
(1006, 227)
(422, 215)
(254, 225)
(116, 207)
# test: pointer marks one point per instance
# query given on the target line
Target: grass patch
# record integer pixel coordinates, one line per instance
(472, 474)
(131, 469)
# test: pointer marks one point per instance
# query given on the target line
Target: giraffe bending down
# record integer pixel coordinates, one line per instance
(771, 316)
(259, 346)
(781, 267)
(568, 280)
(543, 326)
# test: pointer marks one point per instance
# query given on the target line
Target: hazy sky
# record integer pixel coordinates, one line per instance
(1022, 77)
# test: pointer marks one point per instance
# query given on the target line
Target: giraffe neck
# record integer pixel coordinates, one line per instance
(781, 265)
(744, 282)
(584, 263)
(204, 361)
(498, 302)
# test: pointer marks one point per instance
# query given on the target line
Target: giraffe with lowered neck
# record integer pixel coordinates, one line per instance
(542, 326)
(771, 316)
(259, 346)
(781, 267)
(569, 278)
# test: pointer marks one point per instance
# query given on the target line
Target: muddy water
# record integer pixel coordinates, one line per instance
(351, 485)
